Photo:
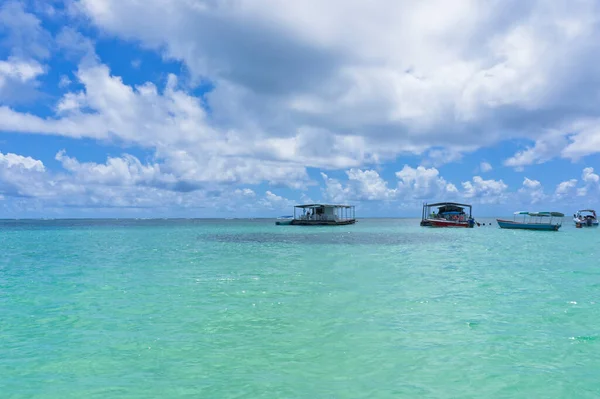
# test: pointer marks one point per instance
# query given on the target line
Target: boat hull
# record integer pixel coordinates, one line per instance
(283, 222)
(585, 223)
(446, 223)
(299, 222)
(509, 224)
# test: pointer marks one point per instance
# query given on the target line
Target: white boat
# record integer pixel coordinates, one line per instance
(585, 218)
(284, 220)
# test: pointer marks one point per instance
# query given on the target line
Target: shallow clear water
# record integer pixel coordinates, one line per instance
(246, 309)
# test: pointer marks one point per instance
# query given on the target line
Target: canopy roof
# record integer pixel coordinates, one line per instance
(324, 206)
(541, 214)
(449, 203)
(587, 210)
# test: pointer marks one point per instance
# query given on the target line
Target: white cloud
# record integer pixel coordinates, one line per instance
(173, 123)
(423, 183)
(545, 148)
(439, 157)
(10, 160)
(332, 85)
(64, 82)
(246, 192)
(395, 76)
(591, 181)
(334, 191)
(121, 183)
(18, 79)
(19, 70)
(569, 191)
(565, 189)
(531, 192)
(22, 176)
(75, 45)
(485, 191)
(485, 167)
(584, 141)
(124, 171)
(369, 186)
(22, 32)
(589, 176)
(273, 201)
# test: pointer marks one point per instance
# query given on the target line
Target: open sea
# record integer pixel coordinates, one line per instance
(229, 309)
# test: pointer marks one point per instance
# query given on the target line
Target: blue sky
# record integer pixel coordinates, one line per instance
(121, 108)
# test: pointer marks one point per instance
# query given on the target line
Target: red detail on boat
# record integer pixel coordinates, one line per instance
(447, 223)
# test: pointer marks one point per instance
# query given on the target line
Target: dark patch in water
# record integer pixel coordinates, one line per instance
(353, 238)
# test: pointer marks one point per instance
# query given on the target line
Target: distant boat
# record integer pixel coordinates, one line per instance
(320, 215)
(449, 214)
(585, 218)
(549, 221)
(284, 220)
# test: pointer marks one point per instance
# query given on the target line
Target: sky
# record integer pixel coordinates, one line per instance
(244, 108)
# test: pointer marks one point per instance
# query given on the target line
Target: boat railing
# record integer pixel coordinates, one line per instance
(540, 217)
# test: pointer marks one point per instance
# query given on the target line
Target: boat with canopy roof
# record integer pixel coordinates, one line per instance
(549, 221)
(320, 215)
(449, 214)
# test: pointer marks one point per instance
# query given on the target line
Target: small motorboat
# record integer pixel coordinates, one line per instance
(585, 218)
(284, 220)
(533, 221)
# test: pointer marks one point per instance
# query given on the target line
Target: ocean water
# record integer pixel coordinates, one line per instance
(246, 309)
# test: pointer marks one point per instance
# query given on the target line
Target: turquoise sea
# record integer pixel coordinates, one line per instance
(246, 309)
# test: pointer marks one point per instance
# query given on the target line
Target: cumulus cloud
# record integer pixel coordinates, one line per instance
(389, 73)
(565, 189)
(22, 177)
(122, 182)
(367, 185)
(173, 123)
(22, 32)
(334, 191)
(361, 185)
(273, 201)
(485, 167)
(570, 192)
(585, 141)
(545, 148)
(339, 85)
(123, 171)
(591, 182)
(19, 80)
(485, 191)
(531, 192)
(423, 183)
(328, 91)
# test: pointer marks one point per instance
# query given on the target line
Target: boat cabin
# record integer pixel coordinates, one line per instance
(323, 215)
